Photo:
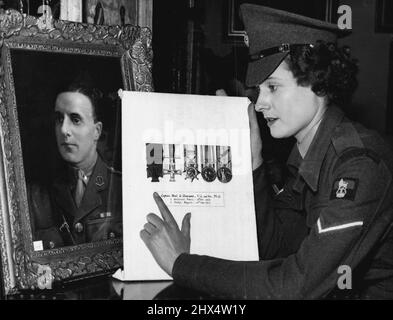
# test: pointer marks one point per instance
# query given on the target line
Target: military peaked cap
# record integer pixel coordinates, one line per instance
(273, 32)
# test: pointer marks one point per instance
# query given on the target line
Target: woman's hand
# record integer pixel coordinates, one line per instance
(255, 138)
(255, 133)
(163, 237)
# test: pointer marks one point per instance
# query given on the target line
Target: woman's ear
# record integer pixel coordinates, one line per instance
(321, 93)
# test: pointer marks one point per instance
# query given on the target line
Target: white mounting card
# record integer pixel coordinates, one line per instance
(194, 151)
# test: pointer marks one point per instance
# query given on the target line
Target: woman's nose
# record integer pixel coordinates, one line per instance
(262, 102)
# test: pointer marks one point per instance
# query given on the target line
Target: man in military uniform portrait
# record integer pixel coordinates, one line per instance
(84, 202)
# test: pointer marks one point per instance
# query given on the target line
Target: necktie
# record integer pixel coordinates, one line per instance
(80, 188)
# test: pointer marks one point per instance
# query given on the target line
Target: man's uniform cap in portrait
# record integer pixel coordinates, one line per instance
(271, 34)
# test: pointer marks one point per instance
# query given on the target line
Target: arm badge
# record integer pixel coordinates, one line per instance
(345, 189)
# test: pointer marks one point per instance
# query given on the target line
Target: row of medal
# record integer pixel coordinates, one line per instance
(189, 162)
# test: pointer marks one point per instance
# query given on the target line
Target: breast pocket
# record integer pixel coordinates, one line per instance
(103, 228)
(288, 210)
(288, 199)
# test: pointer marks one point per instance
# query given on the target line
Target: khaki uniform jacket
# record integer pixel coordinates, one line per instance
(328, 234)
(56, 221)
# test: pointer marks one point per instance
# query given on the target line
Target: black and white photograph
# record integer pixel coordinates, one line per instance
(300, 173)
(61, 194)
(69, 119)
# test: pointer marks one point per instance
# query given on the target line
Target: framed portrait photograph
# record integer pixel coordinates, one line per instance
(318, 9)
(60, 161)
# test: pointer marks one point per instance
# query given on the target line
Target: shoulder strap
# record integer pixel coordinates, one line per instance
(351, 153)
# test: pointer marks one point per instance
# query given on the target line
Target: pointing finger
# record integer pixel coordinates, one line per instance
(166, 214)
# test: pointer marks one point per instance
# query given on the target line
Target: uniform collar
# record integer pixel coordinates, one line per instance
(98, 182)
(100, 175)
(310, 167)
(87, 172)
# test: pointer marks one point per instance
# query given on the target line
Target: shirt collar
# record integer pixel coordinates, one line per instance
(309, 167)
(87, 173)
(308, 138)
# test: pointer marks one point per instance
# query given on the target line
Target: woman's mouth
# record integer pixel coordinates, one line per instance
(270, 121)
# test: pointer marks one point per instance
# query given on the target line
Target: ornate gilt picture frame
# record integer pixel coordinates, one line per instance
(26, 38)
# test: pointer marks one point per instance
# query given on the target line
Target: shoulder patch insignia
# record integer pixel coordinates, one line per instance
(344, 188)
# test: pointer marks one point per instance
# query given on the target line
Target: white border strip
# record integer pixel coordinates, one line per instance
(343, 226)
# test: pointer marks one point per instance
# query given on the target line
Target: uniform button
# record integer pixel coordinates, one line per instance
(112, 235)
(51, 244)
(79, 227)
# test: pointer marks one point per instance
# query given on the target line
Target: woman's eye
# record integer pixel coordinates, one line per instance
(272, 87)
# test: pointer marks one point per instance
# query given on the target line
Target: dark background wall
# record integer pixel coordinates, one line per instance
(372, 48)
